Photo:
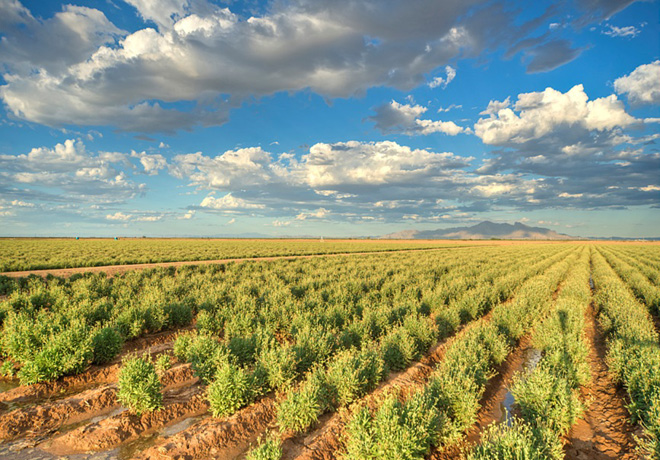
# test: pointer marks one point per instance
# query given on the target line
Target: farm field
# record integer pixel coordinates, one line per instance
(19, 254)
(478, 351)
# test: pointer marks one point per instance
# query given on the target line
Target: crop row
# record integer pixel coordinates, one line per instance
(641, 259)
(35, 254)
(636, 276)
(633, 352)
(548, 395)
(439, 414)
(55, 327)
(343, 365)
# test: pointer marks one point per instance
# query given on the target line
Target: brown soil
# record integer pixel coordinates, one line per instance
(154, 344)
(45, 418)
(217, 438)
(493, 406)
(605, 432)
(113, 431)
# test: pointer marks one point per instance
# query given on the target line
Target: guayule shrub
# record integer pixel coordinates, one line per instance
(107, 344)
(139, 387)
(233, 387)
(178, 315)
(163, 363)
(352, 374)
(515, 442)
(280, 364)
(398, 349)
(302, 407)
(268, 449)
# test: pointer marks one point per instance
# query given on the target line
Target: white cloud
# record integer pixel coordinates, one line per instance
(570, 195)
(281, 223)
(96, 74)
(119, 216)
(151, 163)
(395, 117)
(451, 107)
(642, 86)
(231, 221)
(318, 214)
(188, 215)
(542, 113)
(614, 31)
(443, 82)
(650, 188)
(77, 173)
(228, 202)
(375, 163)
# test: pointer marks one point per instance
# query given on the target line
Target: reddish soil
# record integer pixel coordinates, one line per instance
(155, 345)
(113, 431)
(217, 438)
(325, 441)
(605, 432)
(47, 417)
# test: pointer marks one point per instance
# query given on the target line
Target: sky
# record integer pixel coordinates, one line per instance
(335, 119)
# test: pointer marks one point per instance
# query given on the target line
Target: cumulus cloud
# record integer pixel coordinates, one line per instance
(92, 73)
(152, 163)
(318, 214)
(404, 118)
(544, 113)
(68, 167)
(642, 85)
(228, 202)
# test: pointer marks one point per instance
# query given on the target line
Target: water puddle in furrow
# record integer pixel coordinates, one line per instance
(591, 283)
(101, 416)
(531, 358)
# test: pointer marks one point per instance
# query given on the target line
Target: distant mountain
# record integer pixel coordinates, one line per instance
(483, 231)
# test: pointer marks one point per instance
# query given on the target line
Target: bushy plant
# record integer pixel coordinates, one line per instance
(351, 374)
(178, 315)
(138, 386)
(502, 442)
(233, 387)
(268, 449)
(163, 363)
(107, 344)
(280, 364)
(301, 408)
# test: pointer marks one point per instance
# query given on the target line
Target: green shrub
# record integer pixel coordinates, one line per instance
(302, 407)
(280, 364)
(107, 344)
(208, 323)
(398, 350)
(502, 442)
(163, 363)
(232, 388)
(268, 449)
(139, 387)
(178, 315)
(352, 374)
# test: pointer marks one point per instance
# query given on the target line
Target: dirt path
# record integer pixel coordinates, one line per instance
(605, 432)
(112, 270)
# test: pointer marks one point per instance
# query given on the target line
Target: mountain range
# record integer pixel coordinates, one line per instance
(483, 230)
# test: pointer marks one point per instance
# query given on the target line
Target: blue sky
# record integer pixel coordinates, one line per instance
(345, 118)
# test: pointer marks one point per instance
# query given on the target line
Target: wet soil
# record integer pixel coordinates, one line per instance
(46, 418)
(108, 433)
(605, 432)
(325, 441)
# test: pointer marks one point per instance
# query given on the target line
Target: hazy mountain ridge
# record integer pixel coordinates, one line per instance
(483, 230)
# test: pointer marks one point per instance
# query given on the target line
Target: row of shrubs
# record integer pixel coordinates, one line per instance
(548, 395)
(447, 406)
(389, 343)
(645, 258)
(633, 352)
(54, 327)
(633, 274)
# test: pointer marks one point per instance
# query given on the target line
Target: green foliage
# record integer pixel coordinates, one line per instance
(233, 387)
(178, 315)
(163, 363)
(107, 344)
(515, 442)
(280, 364)
(139, 387)
(351, 374)
(268, 449)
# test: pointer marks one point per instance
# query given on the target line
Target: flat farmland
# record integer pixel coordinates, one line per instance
(420, 349)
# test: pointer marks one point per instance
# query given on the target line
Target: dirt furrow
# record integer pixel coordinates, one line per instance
(325, 441)
(217, 438)
(605, 431)
(110, 432)
(45, 418)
